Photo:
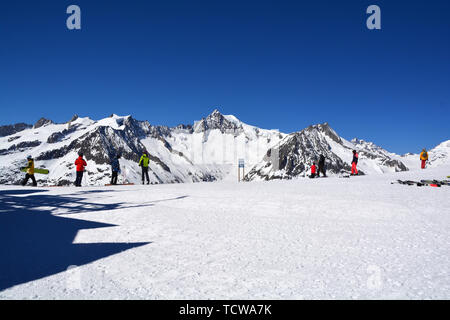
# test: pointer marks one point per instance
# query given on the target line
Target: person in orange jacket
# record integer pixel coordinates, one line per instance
(424, 158)
(80, 163)
(354, 163)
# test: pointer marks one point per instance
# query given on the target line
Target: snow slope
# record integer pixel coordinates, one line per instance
(438, 156)
(357, 238)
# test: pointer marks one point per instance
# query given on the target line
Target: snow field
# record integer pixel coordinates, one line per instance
(357, 238)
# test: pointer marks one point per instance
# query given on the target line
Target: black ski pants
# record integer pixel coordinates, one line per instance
(79, 178)
(321, 170)
(114, 177)
(27, 177)
(145, 174)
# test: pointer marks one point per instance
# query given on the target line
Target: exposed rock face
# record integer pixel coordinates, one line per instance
(296, 153)
(374, 152)
(12, 129)
(217, 121)
(42, 122)
(13, 138)
(75, 117)
(20, 147)
(60, 135)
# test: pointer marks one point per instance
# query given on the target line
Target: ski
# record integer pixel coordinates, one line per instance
(408, 182)
(119, 184)
(348, 175)
(344, 174)
(435, 182)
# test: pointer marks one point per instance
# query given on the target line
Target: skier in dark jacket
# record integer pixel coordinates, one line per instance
(115, 166)
(354, 163)
(80, 163)
(144, 163)
(321, 166)
(30, 172)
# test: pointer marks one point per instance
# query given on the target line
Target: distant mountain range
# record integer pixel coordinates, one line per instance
(208, 150)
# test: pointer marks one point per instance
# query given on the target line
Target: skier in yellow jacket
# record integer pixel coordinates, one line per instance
(424, 157)
(30, 172)
(144, 163)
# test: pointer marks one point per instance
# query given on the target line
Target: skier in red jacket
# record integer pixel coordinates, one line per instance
(354, 163)
(313, 170)
(80, 163)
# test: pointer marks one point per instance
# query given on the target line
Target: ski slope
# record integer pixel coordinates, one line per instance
(334, 238)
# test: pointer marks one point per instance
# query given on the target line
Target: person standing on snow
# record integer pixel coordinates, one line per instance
(144, 163)
(80, 163)
(30, 172)
(313, 170)
(424, 158)
(115, 166)
(354, 163)
(321, 166)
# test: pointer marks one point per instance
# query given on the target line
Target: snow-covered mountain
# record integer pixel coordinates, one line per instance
(208, 150)
(438, 156)
(205, 151)
(295, 154)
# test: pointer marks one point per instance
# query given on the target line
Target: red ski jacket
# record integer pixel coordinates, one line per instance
(355, 158)
(313, 168)
(80, 163)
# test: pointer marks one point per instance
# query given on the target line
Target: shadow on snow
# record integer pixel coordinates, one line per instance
(35, 243)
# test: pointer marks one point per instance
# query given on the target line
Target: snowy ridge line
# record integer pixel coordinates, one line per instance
(208, 150)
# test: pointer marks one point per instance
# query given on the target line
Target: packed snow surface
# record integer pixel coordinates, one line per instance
(333, 238)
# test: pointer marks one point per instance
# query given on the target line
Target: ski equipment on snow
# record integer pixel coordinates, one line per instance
(416, 183)
(436, 182)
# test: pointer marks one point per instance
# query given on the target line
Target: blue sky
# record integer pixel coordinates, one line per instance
(274, 64)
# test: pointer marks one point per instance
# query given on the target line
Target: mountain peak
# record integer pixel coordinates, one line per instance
(325, 129)
(42, 122)
(216, 120)
(216, 112)
(75, 117)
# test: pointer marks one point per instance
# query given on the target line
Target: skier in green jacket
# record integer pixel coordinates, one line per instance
(144, 163)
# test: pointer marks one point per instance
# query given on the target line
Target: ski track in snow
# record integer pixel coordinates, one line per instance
(357, 238)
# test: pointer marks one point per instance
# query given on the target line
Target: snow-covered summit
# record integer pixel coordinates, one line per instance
(42, 122)
(440, 155)
(216, 120)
